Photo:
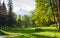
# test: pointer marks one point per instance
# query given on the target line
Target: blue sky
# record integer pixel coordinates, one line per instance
(24, 4)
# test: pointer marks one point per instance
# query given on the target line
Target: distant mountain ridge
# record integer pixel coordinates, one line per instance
(23, 12)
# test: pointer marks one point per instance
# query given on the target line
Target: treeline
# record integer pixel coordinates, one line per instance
(13, 21)
(7, 21)
(22, 22)
(44, 15)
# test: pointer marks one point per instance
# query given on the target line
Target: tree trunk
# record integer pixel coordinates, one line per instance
(58, 15)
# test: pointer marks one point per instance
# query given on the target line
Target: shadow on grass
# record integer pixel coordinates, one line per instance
(30, 31)
(2, 33)
(41, 36)
(21, 31)
(31, 36)
(34, 31)
(50, 30)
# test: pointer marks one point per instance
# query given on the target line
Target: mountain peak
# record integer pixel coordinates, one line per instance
(23, 12)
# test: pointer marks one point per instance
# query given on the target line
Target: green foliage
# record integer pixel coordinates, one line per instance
(19, 23)
(3, 21)
(45, 12)
(11, 20)
(53, 25)
(44, 15)
(26, 21)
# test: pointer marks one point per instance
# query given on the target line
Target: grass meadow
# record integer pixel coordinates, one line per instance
(44, 32)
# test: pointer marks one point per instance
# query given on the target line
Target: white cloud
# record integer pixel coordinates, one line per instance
(24, 4)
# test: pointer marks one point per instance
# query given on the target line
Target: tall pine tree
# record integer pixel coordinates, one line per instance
(10, 15)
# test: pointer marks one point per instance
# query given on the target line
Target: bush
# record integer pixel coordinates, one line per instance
(38, 29)
(53, 25)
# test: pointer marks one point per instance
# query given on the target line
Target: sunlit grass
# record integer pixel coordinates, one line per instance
(3, 33)
(46, 32)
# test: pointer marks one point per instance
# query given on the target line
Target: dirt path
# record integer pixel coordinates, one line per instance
(10, 34)
(3, 36)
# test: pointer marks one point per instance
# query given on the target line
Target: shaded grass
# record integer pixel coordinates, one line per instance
(46, 32)
(31, 30)
(31, 36)
(18, 30)
(42, 36)
(23, 36)
(2, 33)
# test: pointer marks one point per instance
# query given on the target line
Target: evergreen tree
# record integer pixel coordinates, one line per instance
(19, 23)
(11, 18)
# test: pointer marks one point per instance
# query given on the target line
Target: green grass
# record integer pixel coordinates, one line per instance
(46, 32)
(2, 33)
